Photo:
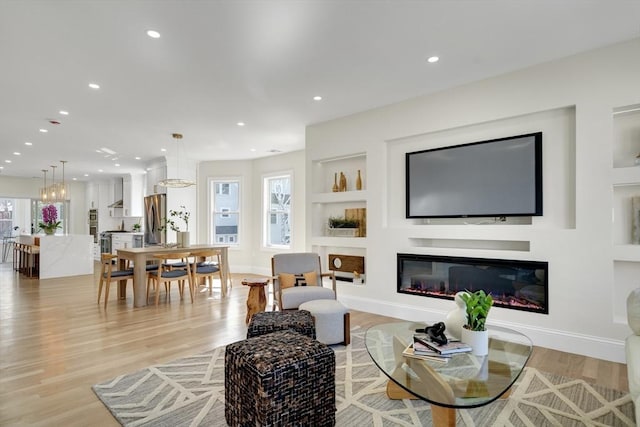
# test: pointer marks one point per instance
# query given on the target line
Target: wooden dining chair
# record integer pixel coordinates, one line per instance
(166, 274)
(207, 264)
(108, 275)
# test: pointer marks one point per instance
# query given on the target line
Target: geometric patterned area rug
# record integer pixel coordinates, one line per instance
(190, 392)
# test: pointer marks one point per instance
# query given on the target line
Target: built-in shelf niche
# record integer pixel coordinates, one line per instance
(492, 245)
(327, 171)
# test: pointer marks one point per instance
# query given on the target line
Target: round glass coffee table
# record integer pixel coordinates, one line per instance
(465, 381)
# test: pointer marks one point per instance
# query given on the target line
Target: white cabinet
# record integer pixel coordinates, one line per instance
(121, 241)
(132, 195)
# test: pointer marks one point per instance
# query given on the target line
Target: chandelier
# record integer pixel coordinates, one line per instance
(57, 191)
(176, 182)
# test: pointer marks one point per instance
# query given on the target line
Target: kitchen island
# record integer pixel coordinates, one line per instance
(63, 255)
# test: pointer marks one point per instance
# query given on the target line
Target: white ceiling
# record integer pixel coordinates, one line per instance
(260, 62)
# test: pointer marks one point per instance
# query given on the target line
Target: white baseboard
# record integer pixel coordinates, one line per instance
(586, 345)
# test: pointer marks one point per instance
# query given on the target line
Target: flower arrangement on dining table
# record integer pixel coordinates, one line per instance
(49, 221)
(182, 214)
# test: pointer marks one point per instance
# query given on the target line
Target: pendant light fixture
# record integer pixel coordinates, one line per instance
(62, 191)
(44, 191)
(176, 182)
(56, 192)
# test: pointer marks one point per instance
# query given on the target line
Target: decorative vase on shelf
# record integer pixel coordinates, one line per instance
(343, 182)
(335, 183)
(635, 220)
(358, 181)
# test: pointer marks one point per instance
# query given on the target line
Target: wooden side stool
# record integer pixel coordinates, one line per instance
(257, 299)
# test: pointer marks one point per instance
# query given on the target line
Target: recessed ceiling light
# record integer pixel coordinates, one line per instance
(7, 161)
(15, 153)
(253, 150)
(317, 98)
(138, 157)
(94, 86)
(86, 174)
(153, 34)
(64, 113)
(28, 143)
(163, 149)
(433, 59)
(1, 167)
(117, 164)
(44, 130)
(100, 170)
(240, 123)
(75, 179)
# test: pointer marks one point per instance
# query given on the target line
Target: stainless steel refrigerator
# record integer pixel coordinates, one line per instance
(155, 212)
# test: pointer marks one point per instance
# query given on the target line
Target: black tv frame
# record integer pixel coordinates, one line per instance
(538, 210)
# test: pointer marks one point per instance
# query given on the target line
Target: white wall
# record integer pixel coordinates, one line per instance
(249, 256)
(571, 101)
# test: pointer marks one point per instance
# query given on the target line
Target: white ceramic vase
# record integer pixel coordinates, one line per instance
(183, 239)
(477, 340)
(457, 317)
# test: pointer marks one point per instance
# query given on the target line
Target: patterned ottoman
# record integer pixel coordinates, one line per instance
(266, 322)
(279, 379)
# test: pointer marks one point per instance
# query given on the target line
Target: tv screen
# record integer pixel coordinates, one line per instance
(500, 177)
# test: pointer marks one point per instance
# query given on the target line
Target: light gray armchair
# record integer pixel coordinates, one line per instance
(289, 286)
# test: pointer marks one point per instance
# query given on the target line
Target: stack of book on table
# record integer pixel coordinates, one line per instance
(423, 348)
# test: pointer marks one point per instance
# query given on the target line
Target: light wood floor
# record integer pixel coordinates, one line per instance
(56, 342)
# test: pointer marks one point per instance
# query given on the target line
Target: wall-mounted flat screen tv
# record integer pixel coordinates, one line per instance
(496, 178)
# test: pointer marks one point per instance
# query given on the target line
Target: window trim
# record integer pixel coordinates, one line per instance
(211, 212)
(266, 212)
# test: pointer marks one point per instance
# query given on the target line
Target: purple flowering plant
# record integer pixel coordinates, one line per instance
(50, 221)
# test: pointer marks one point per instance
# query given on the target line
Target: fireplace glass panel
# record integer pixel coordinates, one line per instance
(514, 284)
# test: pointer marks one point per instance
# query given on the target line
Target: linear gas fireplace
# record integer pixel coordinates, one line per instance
(519, 285)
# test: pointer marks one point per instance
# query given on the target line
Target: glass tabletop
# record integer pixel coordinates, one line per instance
(465, 381)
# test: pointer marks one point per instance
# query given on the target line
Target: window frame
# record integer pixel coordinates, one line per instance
(268, 213)
(226, 213)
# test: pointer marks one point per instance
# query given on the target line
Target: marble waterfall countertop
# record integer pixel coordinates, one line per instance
(63, 255)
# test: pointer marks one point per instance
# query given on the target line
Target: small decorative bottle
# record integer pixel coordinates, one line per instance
(343, 182)
(335, 182)
(358, 181)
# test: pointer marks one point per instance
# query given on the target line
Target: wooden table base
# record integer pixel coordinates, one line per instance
(441, 415)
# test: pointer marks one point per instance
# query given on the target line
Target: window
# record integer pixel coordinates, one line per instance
(277, 206)
(222, 188)
(225, 210)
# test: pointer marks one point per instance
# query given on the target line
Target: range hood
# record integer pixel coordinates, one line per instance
(117, 193)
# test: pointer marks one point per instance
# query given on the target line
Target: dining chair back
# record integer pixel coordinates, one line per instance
(108, 275)
(206, 265)
(168, 273)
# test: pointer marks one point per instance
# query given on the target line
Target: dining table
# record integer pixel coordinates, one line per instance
(140, 256)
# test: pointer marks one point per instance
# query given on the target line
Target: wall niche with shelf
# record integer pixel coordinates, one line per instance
(625, 179)
(326, 173)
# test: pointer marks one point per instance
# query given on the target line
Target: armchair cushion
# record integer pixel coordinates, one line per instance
(294, 296)
(288, 280)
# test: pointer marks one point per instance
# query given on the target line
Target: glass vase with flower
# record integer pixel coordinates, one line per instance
(182, 237)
